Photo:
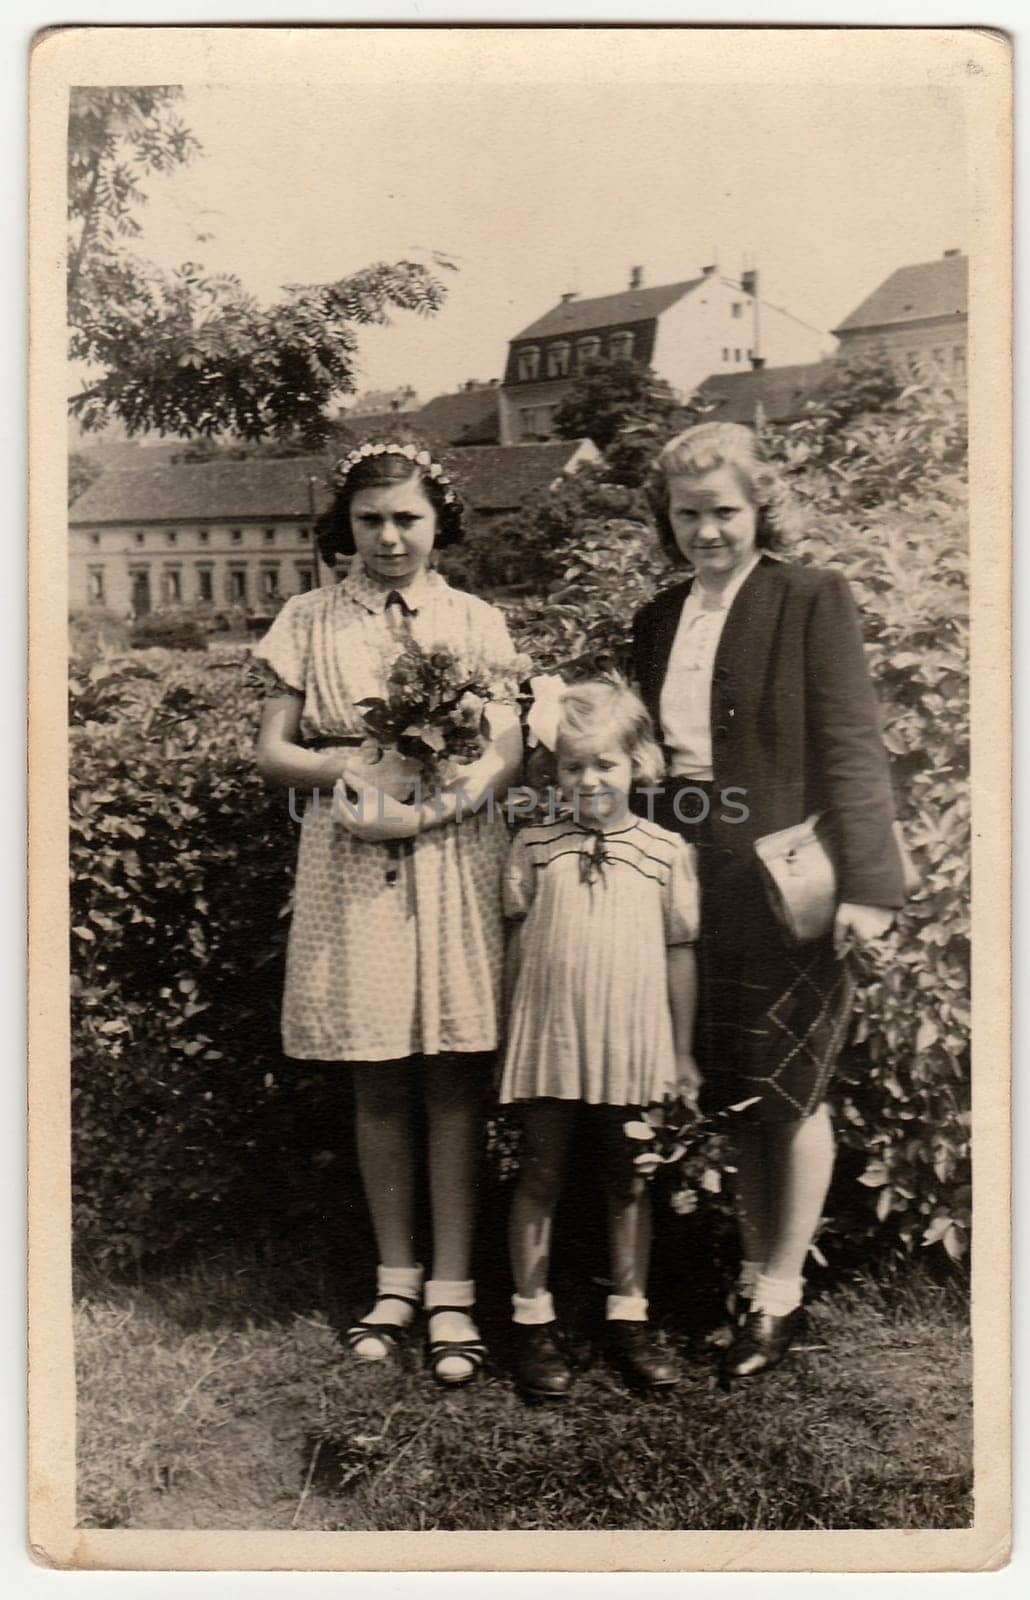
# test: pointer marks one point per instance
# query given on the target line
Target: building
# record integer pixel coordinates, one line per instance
(685, 331)
(469, 416)
(919, 315)
(218, 533)
(766, 394)
(241, 533)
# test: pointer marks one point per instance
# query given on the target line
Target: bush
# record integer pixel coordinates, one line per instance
(168, 630)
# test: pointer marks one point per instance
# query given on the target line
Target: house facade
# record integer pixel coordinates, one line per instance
(919, 315)
(686, 331)
(218, 534)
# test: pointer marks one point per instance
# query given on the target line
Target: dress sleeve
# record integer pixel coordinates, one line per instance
(518, 883)
(285, 648)
(682, 899)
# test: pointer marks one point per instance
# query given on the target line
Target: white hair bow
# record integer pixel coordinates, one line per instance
(543, 715)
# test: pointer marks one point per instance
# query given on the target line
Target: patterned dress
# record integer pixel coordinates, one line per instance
(391, 954)
(590, 1014)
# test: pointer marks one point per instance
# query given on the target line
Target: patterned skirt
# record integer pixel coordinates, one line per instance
(771, 1018)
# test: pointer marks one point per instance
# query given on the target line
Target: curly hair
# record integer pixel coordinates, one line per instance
(333, 528)
(705, 448)
(603, 711)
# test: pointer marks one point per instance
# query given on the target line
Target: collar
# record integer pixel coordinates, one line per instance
(703, 601)
(373, 595)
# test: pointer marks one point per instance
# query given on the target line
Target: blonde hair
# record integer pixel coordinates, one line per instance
(607, 711)
(706, 448)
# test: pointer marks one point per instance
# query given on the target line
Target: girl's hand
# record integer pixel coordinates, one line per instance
(688, 1079)
(859, 924)
(373, 816)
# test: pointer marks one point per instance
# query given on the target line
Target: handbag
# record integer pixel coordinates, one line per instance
(800, 875)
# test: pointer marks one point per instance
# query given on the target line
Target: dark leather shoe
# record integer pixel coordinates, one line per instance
(541, 1369)
(638, 1356)
(761, 1343)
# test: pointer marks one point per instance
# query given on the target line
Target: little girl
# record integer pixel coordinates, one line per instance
(603, 994)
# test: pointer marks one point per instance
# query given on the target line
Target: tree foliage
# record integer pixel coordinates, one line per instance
(189, 352)
(627, 410)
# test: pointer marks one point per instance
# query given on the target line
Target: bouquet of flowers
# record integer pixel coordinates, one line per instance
(673, 1137)
(433, 719)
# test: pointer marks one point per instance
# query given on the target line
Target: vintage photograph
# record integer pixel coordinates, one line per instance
(515, 590)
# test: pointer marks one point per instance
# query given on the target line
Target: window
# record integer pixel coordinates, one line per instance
(736, 309)
(958, 357)
(171, 586)
(725, 353)
(305, 580)
(203, 536)
(236, 535)
(535, 422)
(94, 538)
(587, 350)
(238, 586)
(96, 586)
(620, 346)
(270, 583)
(528, 363)
(171, 537)
(736, 355)
(138, 537)
(558, 360)
(305, 535)
(205, 586)
(270, 536)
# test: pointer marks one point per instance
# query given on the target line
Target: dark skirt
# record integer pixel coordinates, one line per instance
(771, 1018)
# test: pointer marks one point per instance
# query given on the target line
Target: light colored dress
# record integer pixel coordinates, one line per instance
(391, 953)
(590, 1014)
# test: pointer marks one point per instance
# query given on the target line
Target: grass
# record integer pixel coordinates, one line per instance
(219, 1396)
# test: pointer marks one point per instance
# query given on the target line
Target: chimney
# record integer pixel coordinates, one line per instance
(636, 277)
(949, 253)
(570, 294)
(749, 280)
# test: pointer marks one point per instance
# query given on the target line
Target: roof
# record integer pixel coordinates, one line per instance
(608, 310)
(491, 478)
(782, 392)
(205, 491)
(502, 477)
(469, 417)
(929, 289)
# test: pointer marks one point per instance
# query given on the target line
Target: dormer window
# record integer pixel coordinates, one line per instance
(736, 309)
(620, 346)
(528, 363)
(558, 359)
(587, 350)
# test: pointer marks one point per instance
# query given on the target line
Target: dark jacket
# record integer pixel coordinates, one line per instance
(795, 721)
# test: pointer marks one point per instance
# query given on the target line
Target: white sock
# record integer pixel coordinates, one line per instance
(529, 1311)
(406, 1281)
(456, 1292)
(626, 1308)
(776, 1296)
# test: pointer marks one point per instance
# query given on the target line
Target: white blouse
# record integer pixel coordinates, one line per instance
(685, 705)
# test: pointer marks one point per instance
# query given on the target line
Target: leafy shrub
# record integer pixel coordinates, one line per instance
(90, 633)
(168, 630)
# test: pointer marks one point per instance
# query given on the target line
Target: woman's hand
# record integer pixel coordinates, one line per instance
(859, 924)
(372, 815)
(688, 1080)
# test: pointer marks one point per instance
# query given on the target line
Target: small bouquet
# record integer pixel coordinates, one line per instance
(673, 1137)
(433, 719)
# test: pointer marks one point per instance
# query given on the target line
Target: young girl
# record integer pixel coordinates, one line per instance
(395, 951)
(602, 1011)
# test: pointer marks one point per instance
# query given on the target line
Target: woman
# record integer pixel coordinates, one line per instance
(395, 947)
(753, 670)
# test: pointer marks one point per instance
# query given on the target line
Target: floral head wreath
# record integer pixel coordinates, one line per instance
(410, 452)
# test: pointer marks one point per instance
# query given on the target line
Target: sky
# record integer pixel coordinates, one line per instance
(535, 190)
